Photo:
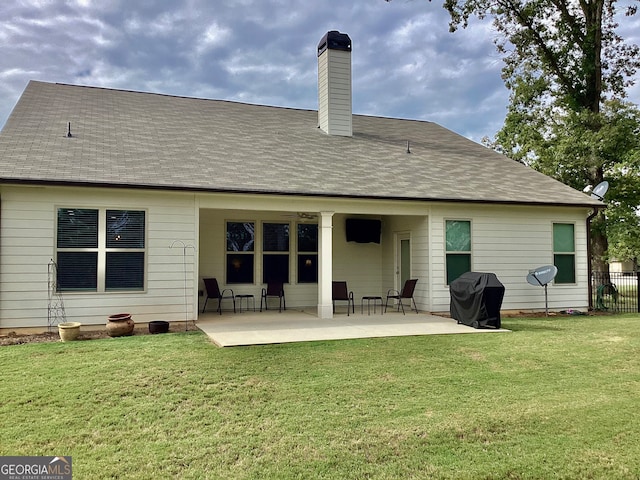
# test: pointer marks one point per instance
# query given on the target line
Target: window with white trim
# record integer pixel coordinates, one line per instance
(240, 252)
(275, 252)
(100, 250)
(307, 253)
(564, 252)
(458, 248)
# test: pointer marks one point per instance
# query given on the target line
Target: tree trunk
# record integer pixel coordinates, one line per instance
(599, 247)
(592, 54)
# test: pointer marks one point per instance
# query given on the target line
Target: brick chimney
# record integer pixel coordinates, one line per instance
(334, 84)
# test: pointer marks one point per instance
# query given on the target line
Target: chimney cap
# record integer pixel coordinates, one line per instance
(334, 40)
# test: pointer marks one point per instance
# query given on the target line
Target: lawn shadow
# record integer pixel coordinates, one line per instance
(531, 325)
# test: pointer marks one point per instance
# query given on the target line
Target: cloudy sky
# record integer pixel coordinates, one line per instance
(406, 64)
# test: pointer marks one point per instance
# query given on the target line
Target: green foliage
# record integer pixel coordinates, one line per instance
(583, 148)
(556, 51)
(567, 70)
(578, 147)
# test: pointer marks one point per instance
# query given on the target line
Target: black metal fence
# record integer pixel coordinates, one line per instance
(616, 291)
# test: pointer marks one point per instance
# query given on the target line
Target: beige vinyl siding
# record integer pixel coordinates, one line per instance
(510, 241)
(25, 250)
(359, 264)
(506, 240)
(28, 244)
(366, 267)
(334, 92)
(213, 255)
(418, 230)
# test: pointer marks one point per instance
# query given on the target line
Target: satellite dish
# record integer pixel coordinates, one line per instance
(600, 190)
(541, 277)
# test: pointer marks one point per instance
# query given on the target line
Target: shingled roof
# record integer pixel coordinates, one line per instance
(144, 140)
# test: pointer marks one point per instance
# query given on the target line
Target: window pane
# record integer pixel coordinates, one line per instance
(563, 237)
(125, 229)
(275, 237)
(77, 271)
(125, 271)
(307, 268)
(457, 264)
(77, 228)
(307, 237)
(240, 236)
(566, 268)
(458, 236)
(275, 268)
(239, 268)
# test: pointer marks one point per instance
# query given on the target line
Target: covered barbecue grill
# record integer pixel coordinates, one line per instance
(476, 299)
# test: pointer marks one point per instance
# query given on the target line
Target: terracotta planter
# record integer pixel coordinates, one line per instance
(69, 331)
(120, 325)
(158, 326)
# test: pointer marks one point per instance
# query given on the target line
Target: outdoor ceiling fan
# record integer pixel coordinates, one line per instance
(301, 215)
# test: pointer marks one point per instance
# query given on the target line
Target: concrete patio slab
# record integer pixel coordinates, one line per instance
(261, 328)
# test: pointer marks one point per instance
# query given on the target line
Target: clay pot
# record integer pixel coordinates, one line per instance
(120, 325)
(69, 331)
(158, 326)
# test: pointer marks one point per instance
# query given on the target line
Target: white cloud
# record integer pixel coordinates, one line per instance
(405, 62)
(214, 36)
(15, 72)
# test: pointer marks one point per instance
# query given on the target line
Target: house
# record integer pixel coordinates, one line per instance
(136, 197)
(623, 266)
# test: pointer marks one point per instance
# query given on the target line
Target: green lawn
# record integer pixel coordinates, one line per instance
(556, 398)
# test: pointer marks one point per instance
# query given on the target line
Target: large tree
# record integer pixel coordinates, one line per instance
(568, 69)
(580, 147)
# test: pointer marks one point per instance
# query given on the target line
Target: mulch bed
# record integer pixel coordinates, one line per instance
(14, 338)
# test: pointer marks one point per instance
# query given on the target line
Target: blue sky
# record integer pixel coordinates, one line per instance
(406, 64)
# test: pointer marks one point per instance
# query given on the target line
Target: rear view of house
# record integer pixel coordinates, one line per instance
(136, 197)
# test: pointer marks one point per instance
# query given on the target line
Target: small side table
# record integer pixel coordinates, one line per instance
(247, 297)
(369, 299)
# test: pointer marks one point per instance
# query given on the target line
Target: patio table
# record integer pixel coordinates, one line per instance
(369, 299)
(246, 296)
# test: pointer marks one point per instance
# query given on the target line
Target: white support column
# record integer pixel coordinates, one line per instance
(325, 265)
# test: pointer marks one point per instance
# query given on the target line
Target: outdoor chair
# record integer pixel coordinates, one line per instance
(274, 289)
(213, 291)
(340, 292)
(406, 293)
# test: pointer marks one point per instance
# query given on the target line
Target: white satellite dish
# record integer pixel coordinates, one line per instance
(541, 277)
(600, 190)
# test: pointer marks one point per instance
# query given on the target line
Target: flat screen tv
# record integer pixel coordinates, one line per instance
(363, 230)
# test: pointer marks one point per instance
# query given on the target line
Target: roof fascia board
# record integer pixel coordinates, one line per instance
(589, 203)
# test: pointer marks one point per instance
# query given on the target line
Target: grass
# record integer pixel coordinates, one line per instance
(556, 398)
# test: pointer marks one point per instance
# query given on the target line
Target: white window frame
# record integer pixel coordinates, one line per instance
(456, 252)
(102, 249)
(572, 253)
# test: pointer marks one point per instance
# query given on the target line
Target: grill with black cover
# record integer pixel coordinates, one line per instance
(476, 299)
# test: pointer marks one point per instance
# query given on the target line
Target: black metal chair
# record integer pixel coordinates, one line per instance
(213, 291)
(274, 289)
(407, 292)
(340, 292)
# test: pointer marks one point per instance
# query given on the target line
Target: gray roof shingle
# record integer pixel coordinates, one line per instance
(135, 139)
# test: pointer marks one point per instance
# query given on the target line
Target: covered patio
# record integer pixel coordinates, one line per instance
(300, 325)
